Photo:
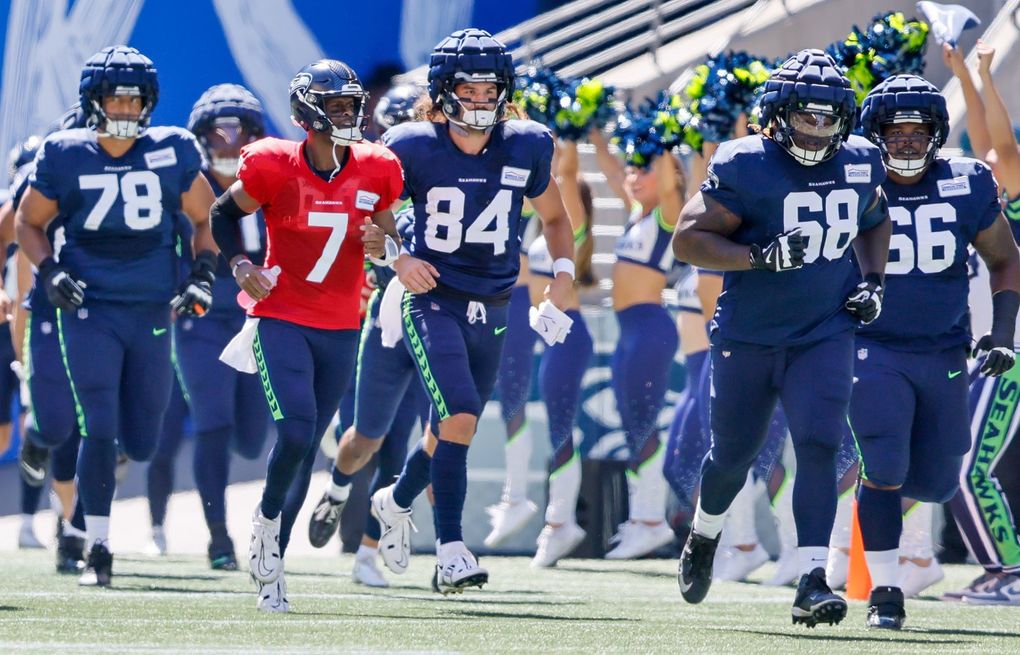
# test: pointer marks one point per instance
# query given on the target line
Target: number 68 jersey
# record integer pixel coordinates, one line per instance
(119, 212)
(771, 193)
(467, 208)
(926, 279)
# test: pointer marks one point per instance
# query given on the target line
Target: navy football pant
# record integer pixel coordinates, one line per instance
(51, 414)
(228, 408)
(160, 474)
(814, 383)
(457, 346)
(305, 372)
(117, 357)
(641, 365)
(980, 507)
(8, 379)
(393, 451)
(514, 381)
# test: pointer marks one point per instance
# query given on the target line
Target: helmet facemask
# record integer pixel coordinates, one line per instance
(909, 153)
(484, 114)
(344, 130)
(811, 132)
(121, 126)
(223, 142)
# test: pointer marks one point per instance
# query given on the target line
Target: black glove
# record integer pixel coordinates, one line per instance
(865, 302)
(784, 253)
(63, 290)
(999, 342)
(194, 296)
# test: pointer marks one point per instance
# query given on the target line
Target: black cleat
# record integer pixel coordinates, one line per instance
(885, 608)
(695, 572)
(221, 551)
(33, 462)
(70, 554)
(815, 602)
(98, 568)
(325, 520)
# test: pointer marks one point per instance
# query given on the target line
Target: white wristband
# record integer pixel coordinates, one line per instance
(391, 252)
(233, 269)
(564, 265)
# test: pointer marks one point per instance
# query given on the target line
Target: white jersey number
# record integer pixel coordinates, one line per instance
(338, 224)
(444, 231)
(838, 212)
(140, 190)
(935, 249)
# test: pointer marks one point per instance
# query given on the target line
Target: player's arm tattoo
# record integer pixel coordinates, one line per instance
(872, 246)
(700, 237)
(34, 213)
(996, 247)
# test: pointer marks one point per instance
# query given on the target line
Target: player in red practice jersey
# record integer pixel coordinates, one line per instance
(326, 202)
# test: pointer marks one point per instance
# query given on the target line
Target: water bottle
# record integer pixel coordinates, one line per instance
(247, 302)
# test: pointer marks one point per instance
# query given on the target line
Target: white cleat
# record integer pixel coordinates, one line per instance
(733, 564)
(264, 560)
(507, 518)
(396, 525)
(27, 539)
(367, 572)
(556, 543)
(786, 572)
(457, 570)
(837, 568)
(914, 578)
(157, 545)
(1002, 590)
(273, 595)
(636, 539)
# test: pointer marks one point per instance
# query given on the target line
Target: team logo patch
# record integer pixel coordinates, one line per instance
(83, 313)
(958, 186)
(161, 158)
(301, 81)
(862, 353)
(857, 173)
(516, 177)
(366, 200)
(46, 327)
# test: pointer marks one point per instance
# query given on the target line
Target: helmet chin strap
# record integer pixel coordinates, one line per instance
(907, 167)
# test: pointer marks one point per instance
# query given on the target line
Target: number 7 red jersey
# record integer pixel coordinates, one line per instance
(314, 227)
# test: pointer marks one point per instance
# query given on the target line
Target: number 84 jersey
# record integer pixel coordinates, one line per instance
(771, 193)
(926, 279)
(467, 208)
(119, 212)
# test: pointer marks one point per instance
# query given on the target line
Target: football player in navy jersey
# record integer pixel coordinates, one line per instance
(118, 183)
(909, 409)
(778, 213)
(467, 172)
(228, 408)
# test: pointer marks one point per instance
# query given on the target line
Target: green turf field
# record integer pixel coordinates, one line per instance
(584, 606)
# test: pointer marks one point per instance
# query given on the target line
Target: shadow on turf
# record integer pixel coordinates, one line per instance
(890, 636)
(585, 569)
(175, 590)
(11, 608)
(466, 613)
(165, 576)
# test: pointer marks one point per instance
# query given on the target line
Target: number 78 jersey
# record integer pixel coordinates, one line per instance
(771, 193)
(313, 227)
(467, 208)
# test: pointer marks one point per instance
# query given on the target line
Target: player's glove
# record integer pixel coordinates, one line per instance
(865, 302)
(63, 290)
(784, 253)
(194, 297)
(999, 342)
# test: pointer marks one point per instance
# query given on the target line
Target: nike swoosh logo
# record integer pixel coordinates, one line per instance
(685, 586)
(500, 331)
(157, 332)
(953, 374)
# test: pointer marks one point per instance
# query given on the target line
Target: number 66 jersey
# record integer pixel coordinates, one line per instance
(467, 208)
(119, 210)
(771, 193)
(313, 227)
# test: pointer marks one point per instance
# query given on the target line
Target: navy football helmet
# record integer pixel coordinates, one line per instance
(906, 99)
(396, 107)
(327, 78)
(224, 119)
(809, 106)
(470, 55)
(118, 71)
(21, 155)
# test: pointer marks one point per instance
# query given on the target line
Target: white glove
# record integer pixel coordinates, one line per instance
(550, 323)
(391, 318)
